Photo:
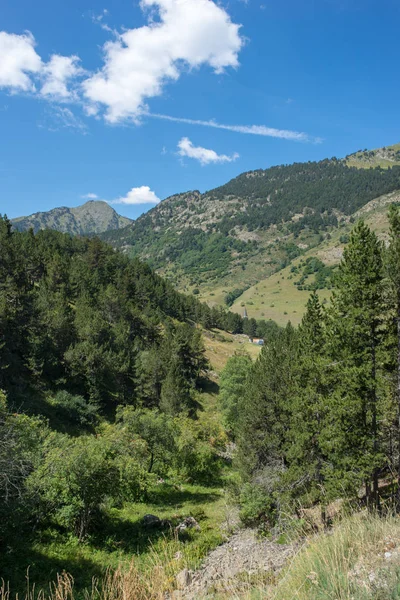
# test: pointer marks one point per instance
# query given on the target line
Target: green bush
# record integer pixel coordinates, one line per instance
(256, 506)
(74, 409)
(78, 475)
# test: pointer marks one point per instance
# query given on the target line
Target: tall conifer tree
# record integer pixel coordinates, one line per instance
(393, 264)
(356, 336)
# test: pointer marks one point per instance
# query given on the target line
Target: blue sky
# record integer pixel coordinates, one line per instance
(132, 101)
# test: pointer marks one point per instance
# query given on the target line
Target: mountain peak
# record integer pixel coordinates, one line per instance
(92, 217)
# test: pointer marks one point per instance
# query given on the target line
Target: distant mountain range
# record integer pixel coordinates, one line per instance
(231, 237)
(93, 217)
(246, 241)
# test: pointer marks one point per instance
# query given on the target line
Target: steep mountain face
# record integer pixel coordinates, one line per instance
(93, 217)
(231, 237)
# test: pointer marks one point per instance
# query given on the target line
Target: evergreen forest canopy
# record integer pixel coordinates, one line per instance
(78, 316)
(316, 418)
(102, 366)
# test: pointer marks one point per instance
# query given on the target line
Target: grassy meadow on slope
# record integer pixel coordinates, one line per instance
(386, 157)
(276, 297)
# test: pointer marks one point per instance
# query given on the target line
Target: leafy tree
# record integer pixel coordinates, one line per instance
(77, 476)
(232, 387)
(156, 429)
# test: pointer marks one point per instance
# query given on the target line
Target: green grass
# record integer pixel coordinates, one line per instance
(120, 537)
(220, 346)
(276, 298)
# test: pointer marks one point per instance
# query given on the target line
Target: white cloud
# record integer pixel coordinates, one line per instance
(205, 156)
(57, 73)
(18, 60)
(21, 67)
(138, 195)
(262, 130)
(179, 34)
(90, 196)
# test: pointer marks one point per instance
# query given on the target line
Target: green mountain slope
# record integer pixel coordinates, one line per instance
(230, 238)
(282, 295)
(93, 217)
(381, 157)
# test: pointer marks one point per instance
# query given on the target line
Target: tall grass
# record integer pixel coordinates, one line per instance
(347, 564)
(358, 560)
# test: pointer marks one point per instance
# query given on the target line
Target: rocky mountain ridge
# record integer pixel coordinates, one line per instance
(93, 217)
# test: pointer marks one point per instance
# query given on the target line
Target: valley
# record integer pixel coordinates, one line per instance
(151, 439)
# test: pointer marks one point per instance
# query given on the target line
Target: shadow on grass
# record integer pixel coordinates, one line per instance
(43, 570)
(208, 386)
(117, 533)
(129, 537)
(169, 495)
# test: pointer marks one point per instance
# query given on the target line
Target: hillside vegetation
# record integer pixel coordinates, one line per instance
(236, 235)
(119, 442)
(108, 410)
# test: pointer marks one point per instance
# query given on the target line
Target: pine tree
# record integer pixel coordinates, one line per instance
(307, 455)
(263, 412)
(393, 270)
(356, 344)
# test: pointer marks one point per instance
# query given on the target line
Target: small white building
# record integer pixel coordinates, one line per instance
(257, 341)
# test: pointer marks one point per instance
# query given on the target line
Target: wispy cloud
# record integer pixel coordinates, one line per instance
(178, 36)
(61, 117)
(205, 156)
(90, 196)
(262, 130)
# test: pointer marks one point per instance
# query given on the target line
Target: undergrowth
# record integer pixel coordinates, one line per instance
(358, 560)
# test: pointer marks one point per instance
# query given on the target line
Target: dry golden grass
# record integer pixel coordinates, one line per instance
(220, 346)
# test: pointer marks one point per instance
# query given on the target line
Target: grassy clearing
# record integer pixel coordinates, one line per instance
(121, 538)
(220, 346)
(358, 560)
(276, 298)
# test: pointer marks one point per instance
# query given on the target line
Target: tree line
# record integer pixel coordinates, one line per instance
(317, 416)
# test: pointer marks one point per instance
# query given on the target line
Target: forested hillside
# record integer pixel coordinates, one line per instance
(316, 418)
(103, 402)
(254, 225)
(107, 413)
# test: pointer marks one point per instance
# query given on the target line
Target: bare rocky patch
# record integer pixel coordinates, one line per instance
(233, 565)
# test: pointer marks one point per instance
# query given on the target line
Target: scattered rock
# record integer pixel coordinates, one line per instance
(187, 523)
(232, 563)
(151, 521)
(183, 579)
